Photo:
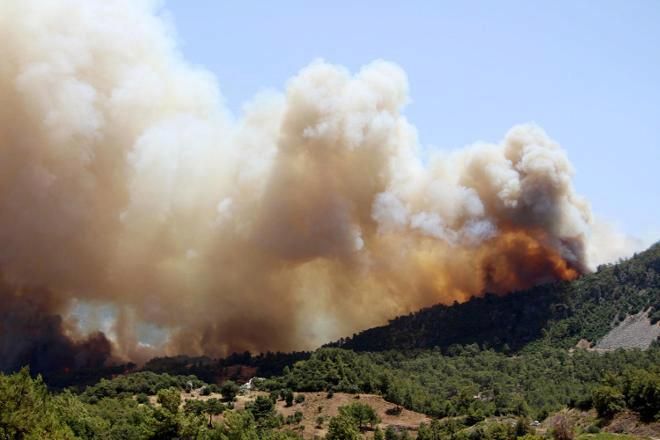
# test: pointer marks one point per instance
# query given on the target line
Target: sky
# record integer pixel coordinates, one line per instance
(588, 72)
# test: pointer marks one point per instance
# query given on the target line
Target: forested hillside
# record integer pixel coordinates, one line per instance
(556, 314)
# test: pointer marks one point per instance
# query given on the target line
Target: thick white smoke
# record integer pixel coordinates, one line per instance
(123, 180)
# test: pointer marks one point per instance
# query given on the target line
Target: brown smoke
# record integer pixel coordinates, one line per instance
(123, 181)
(31, 334)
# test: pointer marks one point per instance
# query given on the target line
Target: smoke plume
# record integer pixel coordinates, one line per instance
(124, 182)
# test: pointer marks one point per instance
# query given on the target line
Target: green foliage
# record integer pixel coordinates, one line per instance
(343, 427)
(500, 431)
(636, 389)
(473, 383)
(195, 406)
(125, 418)
(263, 412)
(295, 418)
(214, 407)
(641, 389)
(266, 364)
(391, 433)
(593, 429)
(238, 425)
(27, 410)
(170, 399)
(362, 413)
(439, 429)
(288, 397)
(229, 390)
(608, 401)
(144, 382)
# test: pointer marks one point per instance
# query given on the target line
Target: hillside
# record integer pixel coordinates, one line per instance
(557, 314)
(484, 369)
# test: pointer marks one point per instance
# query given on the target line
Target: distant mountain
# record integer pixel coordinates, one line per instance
(557, 314)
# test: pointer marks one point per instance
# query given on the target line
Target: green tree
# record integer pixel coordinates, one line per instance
(170, 399)
(342, 427)
(263, 412)
(239, 425)
(642, 393)
(195, 406)
(229, 390)
(127, 419)
(214, 407)
(608, 401)
(81, 418)
(26, 409)
(391, 433)
(288, 397)
(362, 413)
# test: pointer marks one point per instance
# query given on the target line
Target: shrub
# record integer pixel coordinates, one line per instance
(562, 429)
(593, 429)
(394, 411)
(607, 401)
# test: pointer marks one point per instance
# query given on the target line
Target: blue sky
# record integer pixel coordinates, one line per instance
(586, 71)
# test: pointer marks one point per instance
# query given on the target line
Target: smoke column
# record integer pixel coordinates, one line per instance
(124, 182)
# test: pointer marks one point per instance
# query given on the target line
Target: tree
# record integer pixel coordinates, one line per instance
(170, 399)
(500, 431)
(391, 434)
(239, 425)
(608, 401)
(642, 393)
(342, 427)
(288, 397)
(263, 411)
(26, 409)
(195, 406)
(522, 427)
(213, 408)
(229, 390)
(362, 413)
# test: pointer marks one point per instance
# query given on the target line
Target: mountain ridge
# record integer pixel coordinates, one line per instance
(559, 314)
